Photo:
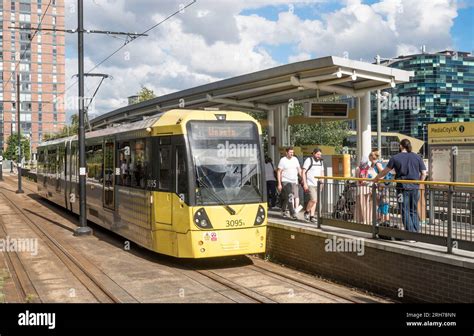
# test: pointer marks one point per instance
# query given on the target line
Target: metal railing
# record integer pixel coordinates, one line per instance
(433, 212)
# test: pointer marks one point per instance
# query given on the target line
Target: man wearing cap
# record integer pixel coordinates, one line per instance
(313, 166)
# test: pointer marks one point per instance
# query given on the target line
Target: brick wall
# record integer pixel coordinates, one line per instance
(403, 275)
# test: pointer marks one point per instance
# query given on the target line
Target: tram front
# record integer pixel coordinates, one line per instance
(228, 187)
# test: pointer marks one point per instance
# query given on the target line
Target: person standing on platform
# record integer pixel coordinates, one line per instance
(383, 205)
(288, 171)
(313, 166)
(408, 166)
(270, 174)
(363, 212)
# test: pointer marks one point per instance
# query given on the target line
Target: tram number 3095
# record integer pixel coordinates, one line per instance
(234, 223)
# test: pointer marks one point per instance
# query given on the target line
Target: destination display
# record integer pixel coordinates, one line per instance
(222, 130)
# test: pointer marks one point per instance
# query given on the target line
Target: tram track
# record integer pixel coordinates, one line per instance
(349, 295)
(211, 278)
(247, 294)
(73, 261)
(252, 295)
(26, 292)
(304, 285)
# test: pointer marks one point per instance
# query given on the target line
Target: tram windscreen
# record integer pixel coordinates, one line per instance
(227, 161)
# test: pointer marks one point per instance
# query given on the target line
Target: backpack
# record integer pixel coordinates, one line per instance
(314, 163)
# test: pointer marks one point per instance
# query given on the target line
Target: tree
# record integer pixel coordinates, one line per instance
(330, 133)
(145, 94)
(65, 131)
(12, 150)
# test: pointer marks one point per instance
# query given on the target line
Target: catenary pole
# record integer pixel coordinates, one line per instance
(83, 229)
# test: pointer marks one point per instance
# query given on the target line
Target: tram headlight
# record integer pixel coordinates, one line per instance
(201, 220)
(261, 215)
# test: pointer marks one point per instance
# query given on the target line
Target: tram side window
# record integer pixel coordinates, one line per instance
(62, 152)
(181, 173)
(139, 167)
(94, 157)
(52, 162)
(165, 168)
(133, 162)
(41, 161)
(74, 161)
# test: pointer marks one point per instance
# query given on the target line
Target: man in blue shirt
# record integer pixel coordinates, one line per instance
(408, 166)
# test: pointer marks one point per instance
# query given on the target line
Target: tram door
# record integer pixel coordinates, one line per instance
(164, 196)
(109, 175)
(67, 172)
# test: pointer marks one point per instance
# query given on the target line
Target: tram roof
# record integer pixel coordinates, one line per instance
(104, 132)
(266, 89)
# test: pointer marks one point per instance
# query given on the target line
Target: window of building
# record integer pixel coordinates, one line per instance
(25, 7)
(25, 77)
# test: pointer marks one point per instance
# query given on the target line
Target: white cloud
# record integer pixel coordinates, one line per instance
(299, 57)
(212, 40)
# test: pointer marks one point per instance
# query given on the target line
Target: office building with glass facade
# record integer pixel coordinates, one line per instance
(442, 90)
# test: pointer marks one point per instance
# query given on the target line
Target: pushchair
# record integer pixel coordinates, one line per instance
(345, 206)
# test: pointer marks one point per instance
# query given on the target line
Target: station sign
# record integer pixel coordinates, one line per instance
(326, 110)
(451, 133)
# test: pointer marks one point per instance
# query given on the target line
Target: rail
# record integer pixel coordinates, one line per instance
(434, 212)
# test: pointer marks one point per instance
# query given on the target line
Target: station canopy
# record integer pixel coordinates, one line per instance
(267, 89)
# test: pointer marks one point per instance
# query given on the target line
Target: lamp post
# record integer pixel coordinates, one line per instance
(30, 138)
(19, 191)
(379, 109)
(11, 133)
(379, 116)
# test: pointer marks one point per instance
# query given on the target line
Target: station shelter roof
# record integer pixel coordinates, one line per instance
(265, 90)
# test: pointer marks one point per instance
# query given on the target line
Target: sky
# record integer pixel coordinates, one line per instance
(217, 39)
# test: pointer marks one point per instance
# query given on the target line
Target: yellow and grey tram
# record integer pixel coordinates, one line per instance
(185, 183)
